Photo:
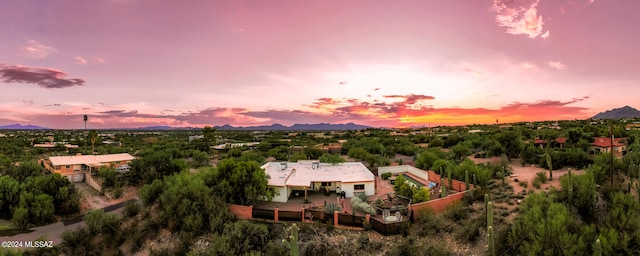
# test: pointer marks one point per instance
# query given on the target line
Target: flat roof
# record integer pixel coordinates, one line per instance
(90, 159)
(302, 173)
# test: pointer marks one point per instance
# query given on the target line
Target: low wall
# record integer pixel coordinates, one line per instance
(241, 211)
(404, 168)
(88, 178)
(437, 205)
(456, 185)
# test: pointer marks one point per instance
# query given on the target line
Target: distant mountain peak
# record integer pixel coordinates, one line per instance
(298, 127)
(617, 113)
(22, 127)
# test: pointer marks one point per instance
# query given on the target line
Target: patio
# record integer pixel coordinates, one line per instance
(316, 199)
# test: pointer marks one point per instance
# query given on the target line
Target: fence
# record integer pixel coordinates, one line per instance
(351, 220)
(263, 214)
(386, 228)
(290, 215)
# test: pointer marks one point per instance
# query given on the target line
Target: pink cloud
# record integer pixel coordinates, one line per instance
(80, 60)
(520, 17)
(43, 77)
(35, 50)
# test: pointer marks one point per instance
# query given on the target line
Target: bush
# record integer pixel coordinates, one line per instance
(456, 212)
(536, 183)
(469, 231)
(524, 184)
(542, 177)
(130, 209)
(386, 175)
(330, 208)
(362, 241)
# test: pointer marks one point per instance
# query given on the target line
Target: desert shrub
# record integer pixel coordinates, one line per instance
(524, 184)
(456, 212)
(516, 180)
(362, 241)
(130, 209)
(541, 176)
(469, 231)
(536, 183)
(332, 207)
(430, 223)
(362, 196)
(366, 208)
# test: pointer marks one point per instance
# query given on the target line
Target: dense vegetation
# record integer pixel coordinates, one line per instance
(185, 188)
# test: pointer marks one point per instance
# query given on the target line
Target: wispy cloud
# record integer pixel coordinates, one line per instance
(43, 77)
(35, 50)
(80, 60)
(520, 17)
(556, 64)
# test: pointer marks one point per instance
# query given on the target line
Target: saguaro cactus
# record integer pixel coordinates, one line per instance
(292, 244)
(475, 182)
(443, 188)
(492, 250)
(570, 185)
(597, 250)
(489, 214)
(466, 179)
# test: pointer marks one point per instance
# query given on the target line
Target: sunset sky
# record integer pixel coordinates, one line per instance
(134, 63)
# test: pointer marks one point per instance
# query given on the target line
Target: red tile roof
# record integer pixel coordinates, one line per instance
(605, 142)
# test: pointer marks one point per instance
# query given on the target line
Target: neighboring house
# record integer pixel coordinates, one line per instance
(235, 145)
(55, 145)
(75, 167)
(330, 148)
(302, 176)
(603, 145)
(558, 142)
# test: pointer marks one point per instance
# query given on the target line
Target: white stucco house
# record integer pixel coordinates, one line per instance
(350, 177)
(75, 167)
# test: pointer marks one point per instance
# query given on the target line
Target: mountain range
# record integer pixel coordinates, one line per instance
(22, 127)
(273, 127)
(617, 113)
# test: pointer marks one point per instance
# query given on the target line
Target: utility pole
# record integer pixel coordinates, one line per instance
(611, 153)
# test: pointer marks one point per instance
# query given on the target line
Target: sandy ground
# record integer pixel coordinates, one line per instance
(92, 199)
(528, 173)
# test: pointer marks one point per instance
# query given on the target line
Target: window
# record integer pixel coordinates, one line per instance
(326, 184)
(358, 187)
(68, 166)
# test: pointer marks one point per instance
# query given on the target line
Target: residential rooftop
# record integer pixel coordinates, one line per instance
(303, 173)
(90, 160)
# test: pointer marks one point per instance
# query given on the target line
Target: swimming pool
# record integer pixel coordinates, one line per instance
(419, 184)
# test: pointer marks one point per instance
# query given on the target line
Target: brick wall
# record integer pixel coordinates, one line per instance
(437, 205)
(241, 211)
(456, 184)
